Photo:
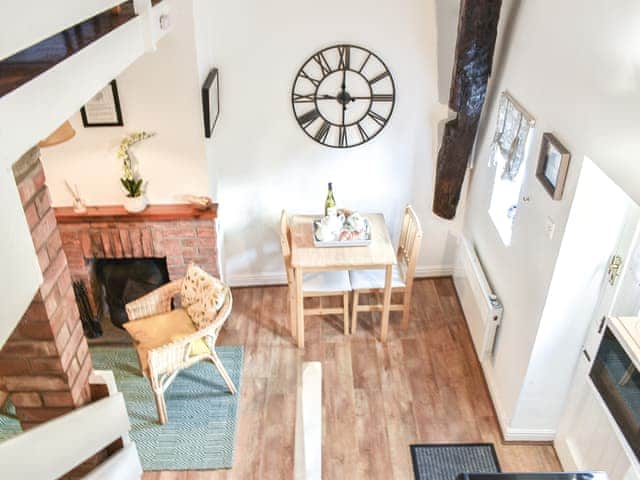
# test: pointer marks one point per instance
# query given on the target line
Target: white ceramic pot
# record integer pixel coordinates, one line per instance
(135, 204)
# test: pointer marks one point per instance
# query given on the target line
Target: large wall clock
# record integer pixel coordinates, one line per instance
(343, 96)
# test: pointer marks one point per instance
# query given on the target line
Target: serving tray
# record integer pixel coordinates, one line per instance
(361, 242)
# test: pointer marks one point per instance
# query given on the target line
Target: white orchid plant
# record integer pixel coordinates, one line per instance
(131, 180)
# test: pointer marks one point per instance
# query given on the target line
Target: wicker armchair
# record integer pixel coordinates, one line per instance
(177, 345)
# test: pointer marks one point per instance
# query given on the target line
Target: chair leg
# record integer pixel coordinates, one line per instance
(292, 312)
(225, 376)
(161, 406)
(354, 313)
(345, 312)
(406, 308)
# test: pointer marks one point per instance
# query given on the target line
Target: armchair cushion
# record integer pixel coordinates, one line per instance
(201, 294)
(158, 330)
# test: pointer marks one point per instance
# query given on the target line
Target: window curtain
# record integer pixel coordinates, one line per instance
(512, 130)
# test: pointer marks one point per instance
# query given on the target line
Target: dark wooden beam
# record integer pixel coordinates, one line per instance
(27, 64)
(477, 30)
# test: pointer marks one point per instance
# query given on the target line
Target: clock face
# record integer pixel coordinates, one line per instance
(343, 96)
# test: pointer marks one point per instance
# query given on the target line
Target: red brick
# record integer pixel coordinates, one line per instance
(57, 266)
(97, 249)
(106, 244)
(147, 243)
(81, 394)
(207, 251)
(72, 346)
(72, 371)
(43, 230)
(175, 260)
(38, 177)
(51, 302)
(10, 365)
(118, 251)
(83, 350)
(180, 232)
(46, 365)
(42, 414)
(43, 202)
(30, 348)
(82, 381)
(85, 242)
(35, 313)
(36, 330)
(26, 189)
(206, 232)
(37, 383)
(63, 337)
(136, 242)
(69, 237)
(126, 243)
(29, 399)
(58, 399)
(54, 244)
(43, 259)
(32, 216)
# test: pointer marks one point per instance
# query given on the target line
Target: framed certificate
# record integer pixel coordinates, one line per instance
(211, 101)
(103, 110)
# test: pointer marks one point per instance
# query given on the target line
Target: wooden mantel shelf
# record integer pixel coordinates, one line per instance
(153, 213)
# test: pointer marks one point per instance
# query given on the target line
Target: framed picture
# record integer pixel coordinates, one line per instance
(211, 101)
(553, 165)
(103, 110)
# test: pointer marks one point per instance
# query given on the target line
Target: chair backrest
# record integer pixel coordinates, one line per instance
(409, 243)
(285, 244)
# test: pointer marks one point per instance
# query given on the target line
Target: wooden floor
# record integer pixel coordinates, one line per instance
(423, 386)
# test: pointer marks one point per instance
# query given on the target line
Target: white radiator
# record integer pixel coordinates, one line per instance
(481, 307)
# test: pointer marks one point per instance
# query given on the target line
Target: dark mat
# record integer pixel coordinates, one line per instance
(446, 461)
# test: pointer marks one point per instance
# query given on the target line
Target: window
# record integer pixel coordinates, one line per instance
(508, 154)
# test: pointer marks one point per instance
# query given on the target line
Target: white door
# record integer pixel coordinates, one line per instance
(620, 294)
(586, 438)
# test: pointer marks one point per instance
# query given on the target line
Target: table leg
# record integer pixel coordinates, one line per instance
(386, 302)
(299, 307)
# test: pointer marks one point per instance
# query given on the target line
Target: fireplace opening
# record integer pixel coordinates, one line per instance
(123, 280)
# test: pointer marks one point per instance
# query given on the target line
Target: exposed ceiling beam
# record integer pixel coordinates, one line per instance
(477, 30)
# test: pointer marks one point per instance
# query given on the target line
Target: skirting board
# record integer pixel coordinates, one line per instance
(511, 434)
(279, 278)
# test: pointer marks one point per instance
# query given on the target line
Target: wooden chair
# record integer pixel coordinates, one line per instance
(314, 284)
(372, 281)
(168, 341)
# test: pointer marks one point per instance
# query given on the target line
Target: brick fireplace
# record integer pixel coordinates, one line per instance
(178, 233)
(45, 363)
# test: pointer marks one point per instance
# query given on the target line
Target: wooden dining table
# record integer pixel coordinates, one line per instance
(305, 256)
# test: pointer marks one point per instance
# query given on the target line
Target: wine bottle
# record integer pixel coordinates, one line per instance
(330, 202)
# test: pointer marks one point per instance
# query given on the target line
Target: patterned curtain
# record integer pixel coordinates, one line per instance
(512, 130)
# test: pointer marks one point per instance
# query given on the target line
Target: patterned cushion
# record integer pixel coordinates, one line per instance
(202, 295)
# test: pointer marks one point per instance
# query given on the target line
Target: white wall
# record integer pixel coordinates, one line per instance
(264, 162)
(160, 92)
(577, 74)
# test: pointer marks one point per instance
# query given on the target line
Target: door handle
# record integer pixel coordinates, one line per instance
(615, 265)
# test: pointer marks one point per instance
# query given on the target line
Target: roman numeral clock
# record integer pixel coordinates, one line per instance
(343, 96)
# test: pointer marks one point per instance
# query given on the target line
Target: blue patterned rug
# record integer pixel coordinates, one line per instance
(200, 433)
(447, 461)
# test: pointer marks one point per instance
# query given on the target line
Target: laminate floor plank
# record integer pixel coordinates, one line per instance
(424, 385)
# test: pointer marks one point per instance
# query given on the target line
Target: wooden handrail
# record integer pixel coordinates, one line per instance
(27, 64)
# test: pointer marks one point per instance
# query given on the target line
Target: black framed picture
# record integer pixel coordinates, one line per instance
(103, 110)
(553, 165)
(211, 101)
